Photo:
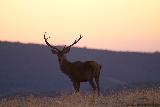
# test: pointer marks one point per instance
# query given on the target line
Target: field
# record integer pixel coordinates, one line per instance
(125, 98)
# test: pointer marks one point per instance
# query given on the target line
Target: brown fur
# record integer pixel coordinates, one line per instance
(78, 71)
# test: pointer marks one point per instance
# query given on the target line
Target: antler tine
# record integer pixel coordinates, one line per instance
(45, 36)
(53, 47)
(74, 42)
(64, 47)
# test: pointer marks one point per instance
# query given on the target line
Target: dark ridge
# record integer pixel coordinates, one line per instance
(31, 68)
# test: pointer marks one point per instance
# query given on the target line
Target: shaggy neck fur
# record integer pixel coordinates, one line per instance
(65, 65)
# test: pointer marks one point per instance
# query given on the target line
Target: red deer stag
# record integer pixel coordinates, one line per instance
(78, 71)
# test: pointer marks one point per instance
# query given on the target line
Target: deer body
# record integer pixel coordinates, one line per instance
(78, 71)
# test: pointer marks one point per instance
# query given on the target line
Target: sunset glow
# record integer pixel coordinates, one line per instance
(132, 25)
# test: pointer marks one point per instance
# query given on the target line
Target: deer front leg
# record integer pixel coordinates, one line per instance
(76, 86)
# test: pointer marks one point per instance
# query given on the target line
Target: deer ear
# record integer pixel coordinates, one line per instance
(54, 51)
(66, 50)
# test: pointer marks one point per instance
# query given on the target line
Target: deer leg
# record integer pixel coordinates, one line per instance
(76, 86)
(97, 83)
(91, 82)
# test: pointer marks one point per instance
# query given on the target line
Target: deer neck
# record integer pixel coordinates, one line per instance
(65, 65)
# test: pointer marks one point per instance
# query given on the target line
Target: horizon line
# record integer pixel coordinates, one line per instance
(85, 47)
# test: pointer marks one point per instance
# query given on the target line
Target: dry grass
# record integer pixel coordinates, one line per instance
(129, 98)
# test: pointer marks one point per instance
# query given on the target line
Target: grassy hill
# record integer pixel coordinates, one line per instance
(32, 68)
(126, 98)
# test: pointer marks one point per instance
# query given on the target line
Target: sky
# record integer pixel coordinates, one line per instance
(122, 25)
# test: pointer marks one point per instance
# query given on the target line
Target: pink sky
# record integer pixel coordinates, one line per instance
(132, 25)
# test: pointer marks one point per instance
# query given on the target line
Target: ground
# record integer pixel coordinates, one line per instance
(124, 98)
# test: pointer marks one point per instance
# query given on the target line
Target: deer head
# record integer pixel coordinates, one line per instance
(60, 53)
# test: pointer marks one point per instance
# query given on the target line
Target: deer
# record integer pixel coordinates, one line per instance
(78, 71)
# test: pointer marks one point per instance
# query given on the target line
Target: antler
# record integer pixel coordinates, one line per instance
(66, 49)
(53, 47)
(74, 42)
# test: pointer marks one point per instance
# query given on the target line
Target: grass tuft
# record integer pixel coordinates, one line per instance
(125, 98)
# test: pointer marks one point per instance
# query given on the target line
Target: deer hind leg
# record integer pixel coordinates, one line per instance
(91, 82)
(97, 84)
(76, 86)
(97, 80)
